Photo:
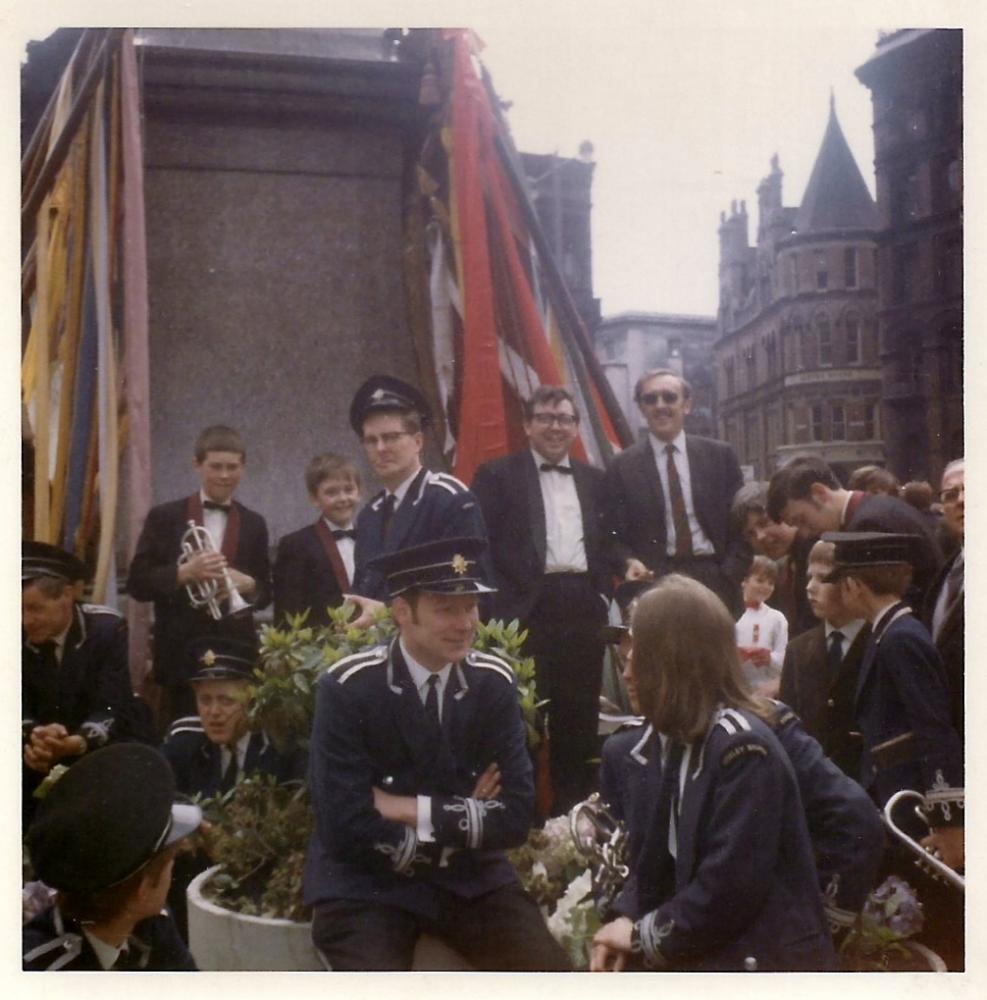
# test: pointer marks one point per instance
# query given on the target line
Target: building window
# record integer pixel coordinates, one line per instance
(850, 267)
(674, 347)
(772, 352)
(870, 421)
(731, 377)
(905, 274)
(750, 364)
(817, 422)
(905, 198)
(852, 340)
(793, 268)
(822, 272)
(825, 340)
(838, 419)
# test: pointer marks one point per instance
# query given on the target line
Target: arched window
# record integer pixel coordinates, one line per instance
(851, 324)
(824, 338)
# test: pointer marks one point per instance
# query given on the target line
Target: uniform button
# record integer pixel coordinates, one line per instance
(387, 780)
(830, 703)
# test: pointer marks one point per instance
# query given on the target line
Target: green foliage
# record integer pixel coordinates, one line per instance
(261, 830)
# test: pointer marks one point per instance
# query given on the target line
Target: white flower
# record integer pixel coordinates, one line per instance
(538, 868)
(560, 922)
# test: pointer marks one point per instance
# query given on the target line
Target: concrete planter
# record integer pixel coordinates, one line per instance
(223, 941)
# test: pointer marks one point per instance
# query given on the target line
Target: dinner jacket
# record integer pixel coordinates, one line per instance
(436, 505)
(197, 762)
(950, 641)
(309, 573)
(370, 730)
(510, 496)
(634, 514)
(746, 892)
(154, 577)
(824, 700)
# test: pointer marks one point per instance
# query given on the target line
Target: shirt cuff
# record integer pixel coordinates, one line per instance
(423, 826)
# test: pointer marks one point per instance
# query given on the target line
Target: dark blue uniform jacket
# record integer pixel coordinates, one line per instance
(370, 730)
(436, 505)
(744, 885)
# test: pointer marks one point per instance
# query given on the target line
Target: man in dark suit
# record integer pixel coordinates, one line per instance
(552, 568)
(819, 676)
(669, 496)
(420, 777)
(241, 551)
(806, 494)
(75, 681)
(944, 613)
(416, 505)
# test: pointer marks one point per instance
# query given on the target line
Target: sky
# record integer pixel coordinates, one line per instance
(684, 118)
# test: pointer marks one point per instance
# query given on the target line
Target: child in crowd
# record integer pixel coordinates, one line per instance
(762, 632)
(313, 568)
(239, 557)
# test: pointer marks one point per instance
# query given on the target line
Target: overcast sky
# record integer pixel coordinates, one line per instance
(684, 118)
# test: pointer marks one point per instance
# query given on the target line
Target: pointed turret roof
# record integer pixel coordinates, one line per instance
(836, 196)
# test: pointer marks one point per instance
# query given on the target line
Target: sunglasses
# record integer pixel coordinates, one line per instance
(665, 395)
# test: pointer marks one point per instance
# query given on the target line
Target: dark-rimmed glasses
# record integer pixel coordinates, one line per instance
(665, 395)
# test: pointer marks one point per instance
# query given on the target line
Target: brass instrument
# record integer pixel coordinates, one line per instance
(602, 839)
(926, 859)
(205, 593)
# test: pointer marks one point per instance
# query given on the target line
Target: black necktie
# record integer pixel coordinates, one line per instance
(338, 533)
(212, 505)
(387, 513)
(835, 655)
(432, 703)
(548, 467)
(229, 775)
(680, 519)
(668, 793)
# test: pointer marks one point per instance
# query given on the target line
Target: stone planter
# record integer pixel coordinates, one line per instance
(223, 941)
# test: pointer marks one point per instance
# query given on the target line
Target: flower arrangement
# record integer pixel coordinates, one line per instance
(559, 880)
(260, 830)
(891, 915)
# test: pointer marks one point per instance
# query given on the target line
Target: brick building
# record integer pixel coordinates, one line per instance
(916, 81)
(797, 367)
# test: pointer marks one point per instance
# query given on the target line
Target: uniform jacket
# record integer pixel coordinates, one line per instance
(635, 503)
(510, 496)
(745, 885)
(370, 730)
(309, 574)
(154, 577)
(824, 702)
(902, 690)
(436, 505)
(197, 763)
(845, 828)
(89, 693)
(51, 943)
(869, 512)
(949, 642)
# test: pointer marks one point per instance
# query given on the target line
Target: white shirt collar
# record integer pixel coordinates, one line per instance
(539, 458)
(420, 674)
(106, 954)
(332, 526)
(403, 488)
(848, 631)
(879, 617)
(846, 504)
(659, 446)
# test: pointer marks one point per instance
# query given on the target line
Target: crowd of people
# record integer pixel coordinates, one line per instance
(792, 655)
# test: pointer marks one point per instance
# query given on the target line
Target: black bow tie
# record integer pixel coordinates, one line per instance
(212, 505)
(548, 467)
(338, 533)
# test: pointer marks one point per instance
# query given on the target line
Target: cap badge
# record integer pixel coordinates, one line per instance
(208, 657)
(458, 564)
(378, 394)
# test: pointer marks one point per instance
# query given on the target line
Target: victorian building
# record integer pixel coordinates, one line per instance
(797, 366)
(916, 81)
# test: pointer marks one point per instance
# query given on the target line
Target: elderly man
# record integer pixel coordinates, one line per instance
(420, 777)
(943, 613)
(668, 497)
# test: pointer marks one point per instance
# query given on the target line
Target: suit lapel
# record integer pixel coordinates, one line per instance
(646, 472)
(699, 477)
(231, 536)
(536, 506)
(331, 550)
(404, 516)
(587, 507)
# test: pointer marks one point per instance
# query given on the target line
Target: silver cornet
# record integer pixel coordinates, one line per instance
(938, 868)
(205, 593)
(602, 839)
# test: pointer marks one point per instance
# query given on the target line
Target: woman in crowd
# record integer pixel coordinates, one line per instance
(725, 878)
